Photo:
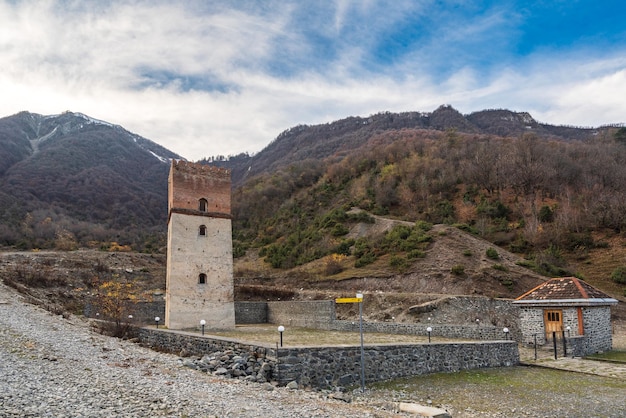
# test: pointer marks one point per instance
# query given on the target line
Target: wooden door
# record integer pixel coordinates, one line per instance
(553, 320)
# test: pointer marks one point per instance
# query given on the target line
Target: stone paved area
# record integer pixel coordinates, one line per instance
(579, 365)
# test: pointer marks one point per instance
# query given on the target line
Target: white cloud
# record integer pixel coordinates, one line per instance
(207, 78)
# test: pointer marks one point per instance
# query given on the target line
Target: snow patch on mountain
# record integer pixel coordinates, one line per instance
(91, 120)
(163, 159)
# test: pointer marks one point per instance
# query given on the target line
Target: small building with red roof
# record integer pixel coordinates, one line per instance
(567, 307)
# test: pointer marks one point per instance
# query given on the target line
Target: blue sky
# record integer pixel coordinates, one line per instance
(205, 78)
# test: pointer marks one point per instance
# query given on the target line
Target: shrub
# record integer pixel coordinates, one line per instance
(362, 216)
(344, 247)
(443, 212)
(339, 230)
(458, 270)
(33, 277)
(467, 228)
(114, 300)
(500, 267)
(364, 253)
(333, 264)
(493, 210)
(492, 253)
(619, 275)
(467, 253)
(575, 241)
(423, 225)
(507, 282)
(398, 262)
(415, 254)
(239, 249)
(546, 214)
(406, 238)
(365, 259)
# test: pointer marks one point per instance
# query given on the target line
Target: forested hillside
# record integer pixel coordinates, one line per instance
(549, 194)
(68, 181)
(546, 199)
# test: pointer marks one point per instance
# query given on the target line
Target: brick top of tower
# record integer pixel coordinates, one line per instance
(190, 182)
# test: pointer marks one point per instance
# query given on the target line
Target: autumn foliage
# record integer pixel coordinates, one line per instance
(113, 301)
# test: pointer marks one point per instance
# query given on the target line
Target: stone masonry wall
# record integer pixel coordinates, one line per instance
(250, 313)
(321, 314)
(190, 254)
(597, 325)
(325, 367)
(531, 322)
(459, 331)
(220, 356)
(199, 274)
(308, 314)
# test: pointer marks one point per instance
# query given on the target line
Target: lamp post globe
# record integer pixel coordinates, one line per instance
(202, 324)
(281, 329)
(157, 319)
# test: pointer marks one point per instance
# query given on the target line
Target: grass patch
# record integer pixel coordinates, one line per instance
(297, 336)
(613, 356)
(509, 391)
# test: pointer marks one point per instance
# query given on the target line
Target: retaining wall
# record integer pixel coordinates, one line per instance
(307, 314)
(326, 367)
(250, 313)
(193, 344)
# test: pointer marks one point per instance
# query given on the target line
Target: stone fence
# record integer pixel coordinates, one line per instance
(320, 314)
(469, 332)
(327, 367)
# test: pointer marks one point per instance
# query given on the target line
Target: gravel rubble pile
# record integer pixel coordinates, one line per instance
(56, 367)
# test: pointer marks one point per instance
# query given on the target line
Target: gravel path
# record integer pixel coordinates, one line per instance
(53, 367)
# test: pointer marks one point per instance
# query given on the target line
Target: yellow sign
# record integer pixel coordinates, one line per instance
(348, 300)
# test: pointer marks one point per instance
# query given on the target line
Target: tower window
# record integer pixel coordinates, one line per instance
(203, 205)
(202, 230)
(202, 278)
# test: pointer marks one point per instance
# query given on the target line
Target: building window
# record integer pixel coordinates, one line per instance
(202, 230)
(554, 316)
(203, 205)
(202, 278)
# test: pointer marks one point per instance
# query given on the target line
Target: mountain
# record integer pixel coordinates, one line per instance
(340, 204)
(76, 177)
(71, 177)
(338, 139)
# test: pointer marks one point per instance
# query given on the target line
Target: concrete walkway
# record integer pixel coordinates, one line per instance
(578, 365)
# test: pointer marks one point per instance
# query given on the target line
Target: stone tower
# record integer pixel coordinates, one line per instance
(199, 281)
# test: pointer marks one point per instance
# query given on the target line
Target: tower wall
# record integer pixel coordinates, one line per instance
(189, 182)
(199, 281)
